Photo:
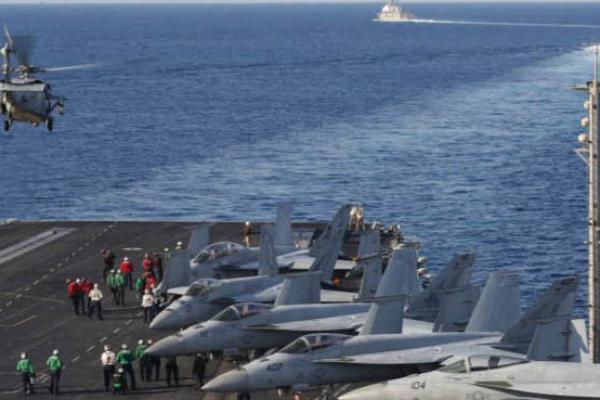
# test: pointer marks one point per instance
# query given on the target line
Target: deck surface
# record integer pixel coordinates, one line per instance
(36, 315)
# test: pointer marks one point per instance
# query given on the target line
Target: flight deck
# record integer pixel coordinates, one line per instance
(36, 315)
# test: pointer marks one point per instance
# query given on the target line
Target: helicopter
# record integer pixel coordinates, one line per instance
(23, 98)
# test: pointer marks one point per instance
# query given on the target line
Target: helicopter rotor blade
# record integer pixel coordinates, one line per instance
(9, 40)
(67, 68)
(22, 47)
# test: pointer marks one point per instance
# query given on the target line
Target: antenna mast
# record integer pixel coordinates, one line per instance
(589, 152)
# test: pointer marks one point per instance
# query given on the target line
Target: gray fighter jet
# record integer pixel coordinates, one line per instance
(493, 376)
(326, 359)
(221, 259)
(206, 297)
(248, 326)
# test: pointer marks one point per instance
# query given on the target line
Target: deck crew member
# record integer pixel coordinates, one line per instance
(199, 369)
(172, 370)
(142, 358)
(147, 304)
(111, 280)
(108, 359)
(247, 233)
(125, 358)
(121, 283)
(55, 365)
(126, 267)
(95, 302)
(109, 262)
(25, 367)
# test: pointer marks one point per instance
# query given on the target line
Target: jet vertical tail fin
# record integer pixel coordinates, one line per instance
(199, 239)
(456, 308)
(283, 226)
(327, 248)
(560, 339)
(178, 272)
(556, 302)
(369, 261)
(300, 288)
(267, 261)
(498, 307)
(386, 313)
(340, 221)
(457, 273)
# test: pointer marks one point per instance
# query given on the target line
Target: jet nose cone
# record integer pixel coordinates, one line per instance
(232, 381)
(371, 392)
(169, 346)
(166, 320)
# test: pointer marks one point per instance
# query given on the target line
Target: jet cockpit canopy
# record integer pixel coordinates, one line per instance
(313, 342)
(202, 287)
(217, 250)
(240, 311)
(481, 363)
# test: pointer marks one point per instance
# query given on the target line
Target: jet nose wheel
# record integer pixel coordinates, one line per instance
(50, 124)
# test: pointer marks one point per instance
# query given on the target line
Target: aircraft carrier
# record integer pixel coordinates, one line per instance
(36, 316)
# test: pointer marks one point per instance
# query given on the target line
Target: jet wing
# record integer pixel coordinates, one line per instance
(545, 390)
(337, 296)
(332, 324)
(179, 291)
(428, 355)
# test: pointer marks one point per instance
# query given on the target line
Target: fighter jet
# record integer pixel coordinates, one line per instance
(493, 376)
(326, 359)
(248, 326)
(206, 297)
(220, 259)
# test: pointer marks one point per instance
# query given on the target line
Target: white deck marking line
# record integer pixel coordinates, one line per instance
(44, 276)
(8, 303)
(67, 258)
(90, 349)
(116, 330)
(36, 282)
(19, 296)
(73, 254)
(16, 250)
(128, 322)
(52, 269)
(87, 243)
(28, 288)
(103, 339)
(75, 359)
(59, 265)
(18, 323)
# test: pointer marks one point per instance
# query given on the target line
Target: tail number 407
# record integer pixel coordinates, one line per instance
(274, 367)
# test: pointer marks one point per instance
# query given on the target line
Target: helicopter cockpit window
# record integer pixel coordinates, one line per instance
(227, 315)
(457, 367)
(217, 250)
(322, 341)
(298, 346)
(202, 288)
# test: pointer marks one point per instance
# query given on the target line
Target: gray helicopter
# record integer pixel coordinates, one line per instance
(23, 98)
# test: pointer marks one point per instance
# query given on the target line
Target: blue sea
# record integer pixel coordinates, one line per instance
(461, 128)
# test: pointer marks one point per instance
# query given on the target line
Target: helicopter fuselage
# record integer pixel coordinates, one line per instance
(25, 101)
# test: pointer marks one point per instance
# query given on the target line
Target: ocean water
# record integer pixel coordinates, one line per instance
(460, 128)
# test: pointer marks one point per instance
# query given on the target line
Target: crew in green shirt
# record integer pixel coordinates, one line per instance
(111, 280)
(25, 367)
(125, 358)
(141, 357)
(55, 365)
(120, 282)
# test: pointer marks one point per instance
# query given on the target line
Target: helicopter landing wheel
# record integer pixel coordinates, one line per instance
(6, 125)
(50, 124)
